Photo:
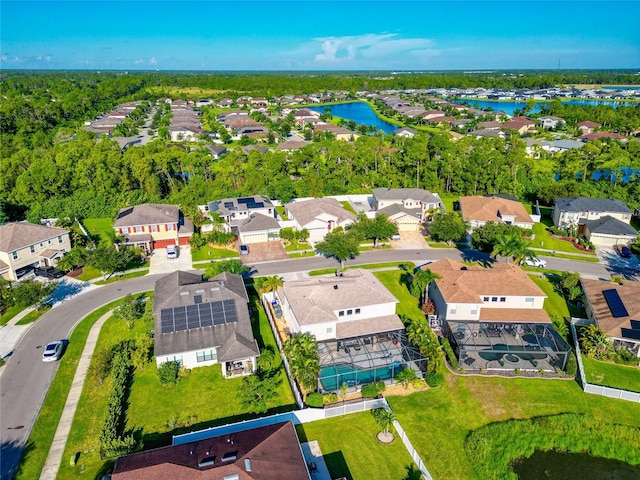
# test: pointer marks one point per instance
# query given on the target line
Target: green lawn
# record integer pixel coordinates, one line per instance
(89, 273)
(45, 426)
(295, 245)
(281, 212)
(9, 314)
(351, 450)
(99, 226)
(447, 200)
(347, 206)
(393, 280)
(369, 266)
(211, 253)
(201, 399)
(438, 420)
(554, 304)
(32, 316)
(124, 276)
(581, 258)
(544, 240)
(612, 374)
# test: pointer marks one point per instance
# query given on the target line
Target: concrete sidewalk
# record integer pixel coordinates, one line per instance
(56, 451)
(10, 333)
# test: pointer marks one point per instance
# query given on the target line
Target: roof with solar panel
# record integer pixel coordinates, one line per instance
(616, 308)
(230, 208)
(191, 314)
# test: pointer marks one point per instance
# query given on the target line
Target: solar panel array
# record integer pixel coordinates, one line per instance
(197, 316)
(615, 303)
(633, 332)
(250, 202)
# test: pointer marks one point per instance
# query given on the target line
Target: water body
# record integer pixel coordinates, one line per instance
(553, 465)
(509, 107)
(359, 112)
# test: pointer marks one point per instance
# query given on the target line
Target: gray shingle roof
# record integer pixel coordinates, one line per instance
(308, 210)
(16, 235)
(147, 214)
(583, 204)
(258, 222)
(396, 208)
(609, 225)
(178, 289)
(405, 194)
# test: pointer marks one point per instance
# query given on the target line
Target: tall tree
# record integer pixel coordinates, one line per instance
(377, 228)
(449, 227)
(339, 244)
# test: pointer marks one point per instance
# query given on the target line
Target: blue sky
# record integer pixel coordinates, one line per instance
(313, 35)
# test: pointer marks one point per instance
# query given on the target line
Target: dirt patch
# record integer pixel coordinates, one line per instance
(398, 389)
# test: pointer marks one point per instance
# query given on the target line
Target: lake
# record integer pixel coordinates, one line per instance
(509, 107)
(554, 465)
(359, 112)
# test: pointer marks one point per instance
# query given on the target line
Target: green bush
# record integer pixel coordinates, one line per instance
(434, 379)
(572, 365)
(315, 400)
(453, 361)
(372, 390)
(168, 373)
(329, 398)
(101, 365)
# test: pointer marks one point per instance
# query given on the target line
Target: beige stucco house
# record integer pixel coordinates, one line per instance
(319, 216)
(479, 210)
(24, 246)
(400, 204)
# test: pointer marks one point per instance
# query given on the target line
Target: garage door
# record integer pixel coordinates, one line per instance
(607, 240)
(164, 243)
(248, 238)
(184, 241)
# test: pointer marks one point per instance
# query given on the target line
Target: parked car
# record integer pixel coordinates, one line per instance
(48, 272)
(624, 251)
(172, 251)
(535, 262)
(395, 236)
(244, 250)
(53, 351)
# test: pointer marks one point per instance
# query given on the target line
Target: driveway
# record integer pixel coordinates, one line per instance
(265, 252)
(616, 265)
(161, 264)
(409, 241)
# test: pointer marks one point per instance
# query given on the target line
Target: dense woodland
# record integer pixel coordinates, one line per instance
(52, 168)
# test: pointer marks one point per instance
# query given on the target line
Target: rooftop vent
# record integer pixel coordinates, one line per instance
(335, 287)
(206, 462)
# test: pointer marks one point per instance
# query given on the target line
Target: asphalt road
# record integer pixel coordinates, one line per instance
(25, 379)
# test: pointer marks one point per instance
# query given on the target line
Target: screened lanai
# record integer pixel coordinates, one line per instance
(507, 345)
(357, 361)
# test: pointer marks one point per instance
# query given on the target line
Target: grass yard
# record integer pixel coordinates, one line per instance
(544, 240)
(282, 213)
(9, 314)
(438, 420)
(123, 276)
(89, 273)
(45, 426)
(310, 253)
(351, 449)
(295, 246)
(32, 316)
(447, 201)
(99, 226)
(580, 258)
(554, 304)
(203, 398)
(369, 266)
(612, 375)
(347, 206)
(393, 280)
(205, 253)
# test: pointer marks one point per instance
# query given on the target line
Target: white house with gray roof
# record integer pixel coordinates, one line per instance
(319, 216)
(353, 305)
(400, 204)
(258, 228)
(235, 211)
(203, 322)
(573, 211)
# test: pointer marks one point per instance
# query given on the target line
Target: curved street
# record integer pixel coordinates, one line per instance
(25, 379)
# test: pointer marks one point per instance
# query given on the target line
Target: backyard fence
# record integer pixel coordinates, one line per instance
(412, 451)
(597, 389)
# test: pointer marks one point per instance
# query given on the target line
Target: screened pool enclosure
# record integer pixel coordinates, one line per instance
(479, 345)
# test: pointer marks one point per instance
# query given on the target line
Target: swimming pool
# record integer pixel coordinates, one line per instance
(333, 376)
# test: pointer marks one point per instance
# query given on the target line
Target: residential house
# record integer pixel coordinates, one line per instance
(615, 309)
(204, 322)
(607, 231)
(478, 210)
(340, 133)
(258, 228)
(184, 133)
(601, 135)
(406, 205)
(217, 150)
(563, 145)
(588, 127)
(520, 124)
(575, 211)
(405, 132)
(250, 148)
(494, 317)
(269, 452)
(319, 216)
(353, 319)
(489, 125)
(25, 246)
(150, 226)
(550, 122)
(488, 133)
(291, 145)
(235, 211)
(431, 114)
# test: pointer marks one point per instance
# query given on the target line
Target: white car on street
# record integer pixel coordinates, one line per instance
(535, 262)
(53, 351)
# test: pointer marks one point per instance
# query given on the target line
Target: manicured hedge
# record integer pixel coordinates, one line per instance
(453, 361)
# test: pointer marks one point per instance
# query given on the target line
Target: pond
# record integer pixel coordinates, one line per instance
(359, 112)
(509, 107)
(552, 465)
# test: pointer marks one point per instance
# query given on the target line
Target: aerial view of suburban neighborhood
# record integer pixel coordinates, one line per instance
(319, 241)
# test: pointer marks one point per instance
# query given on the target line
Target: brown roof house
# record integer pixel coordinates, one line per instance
(494, 318)
(352, 317)
(478, 210)
(25, 246)
(152, 226)
(271, 452)
(319, 216)
(203, 322)
(615, 309)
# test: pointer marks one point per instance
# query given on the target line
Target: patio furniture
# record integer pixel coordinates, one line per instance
(469, 361)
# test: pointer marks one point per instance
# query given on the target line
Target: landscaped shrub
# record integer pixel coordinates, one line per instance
(572, 365)
(101, 365)
(372, 390)
(168, 372)
(434, 379)
(315, 399)
(453, 361)
(329, 398)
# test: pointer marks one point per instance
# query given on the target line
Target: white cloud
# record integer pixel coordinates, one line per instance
(4, 58)
(138, 62)
(153, 61)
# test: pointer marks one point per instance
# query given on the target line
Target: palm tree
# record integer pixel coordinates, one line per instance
(384, 418)
(405, 376)
(229, 266)
(420, 283)
(302, 353)
(268, 284)
(512, 245)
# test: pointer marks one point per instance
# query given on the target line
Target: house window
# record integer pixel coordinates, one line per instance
(41, 245)
(49, 242)
(453, 310)
(494, 299)
(528, 300)
(207, 356)
(349, 312)
(175, 358)
(139, 229)
(32, 248)
(329, 329)
(357, 311)
(474, 310)
(154, 228)
(170, 227)
(341, 313)
(60, 239)
(503, 299)
(485, 299)
(15, 255)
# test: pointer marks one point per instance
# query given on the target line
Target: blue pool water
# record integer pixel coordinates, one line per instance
(332, 377)
(359, 112)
